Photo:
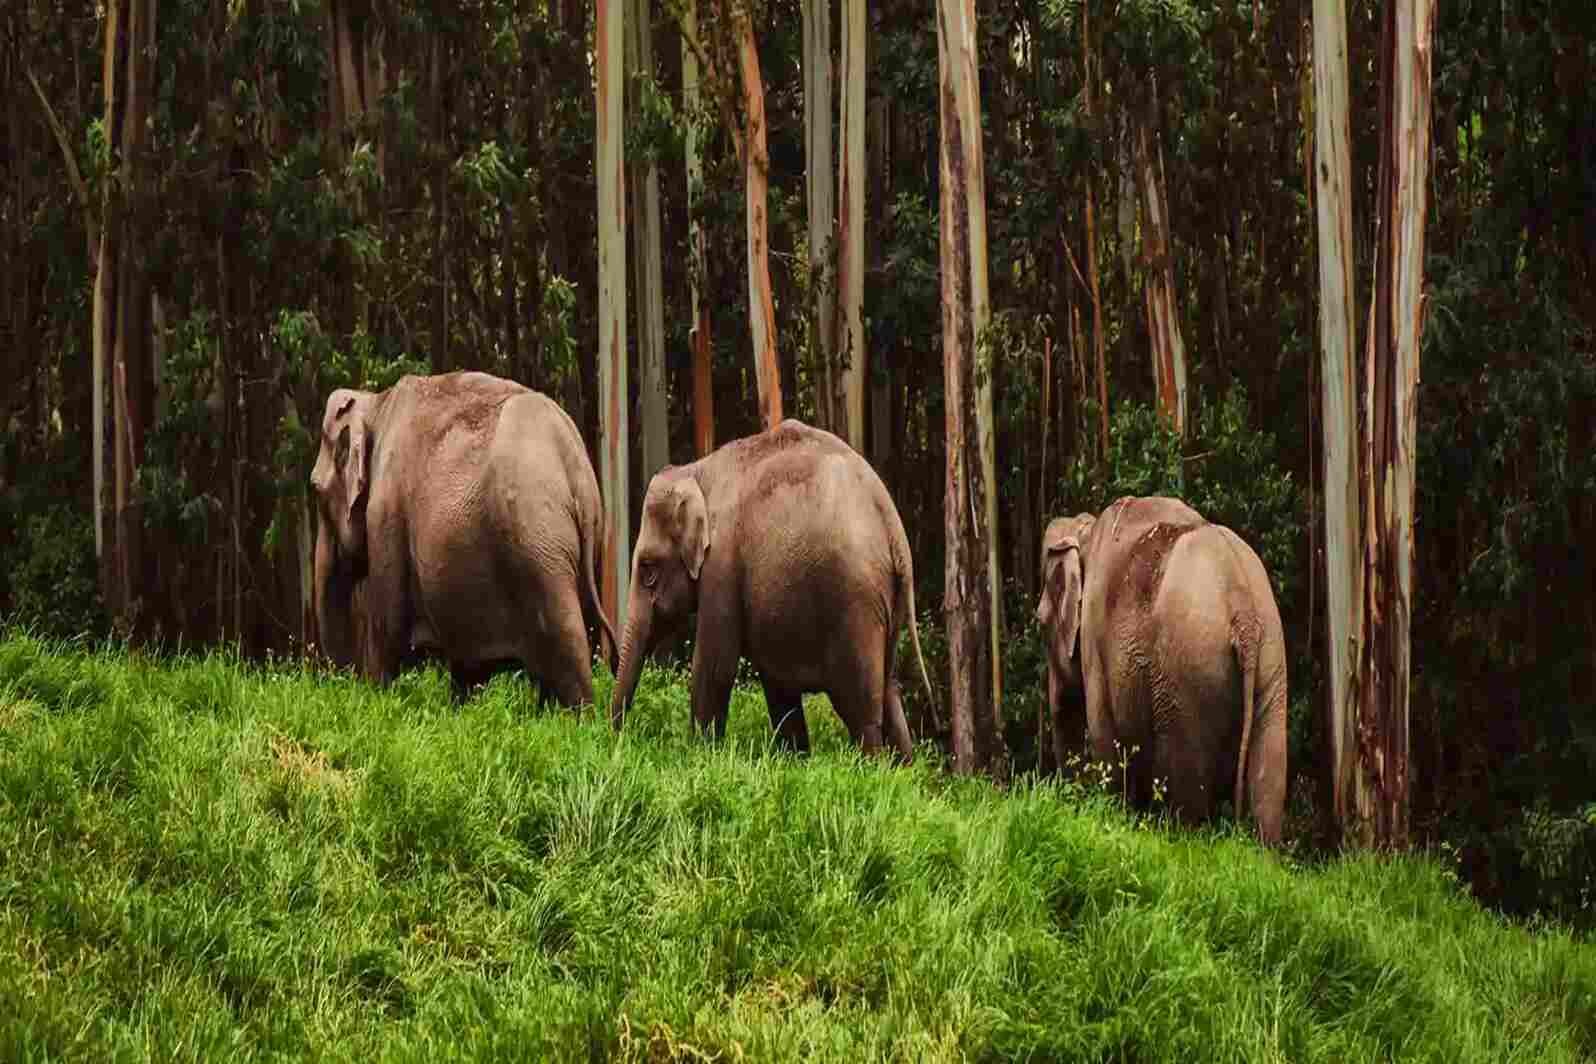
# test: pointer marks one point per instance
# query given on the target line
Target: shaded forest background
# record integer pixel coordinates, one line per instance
(324, 193)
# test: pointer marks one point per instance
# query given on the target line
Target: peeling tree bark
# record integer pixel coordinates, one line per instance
(1158, 289)
(1343, 576)
(609, 164)
(850, 230)
(1390, 423)
(970, 503)
(647, 260)
(822, 212)
(1369, 452)
(703, 382)
(756, 178)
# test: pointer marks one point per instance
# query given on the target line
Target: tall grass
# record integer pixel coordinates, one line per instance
(203, 860)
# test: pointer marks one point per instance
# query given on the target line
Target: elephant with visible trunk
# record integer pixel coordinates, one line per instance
(1163, 627)
(464, 508)
(792, 552)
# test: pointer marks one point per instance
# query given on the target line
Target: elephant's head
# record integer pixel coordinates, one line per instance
(341, 475)
(672, 543)
(1063, 576)
(340, 480)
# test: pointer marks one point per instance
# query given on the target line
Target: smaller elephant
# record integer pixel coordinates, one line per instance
(1162, 627)
(459, 518)
(791, 551)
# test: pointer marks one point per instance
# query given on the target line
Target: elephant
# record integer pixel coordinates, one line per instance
(459, 517)
(791, 551)
(1162, 628)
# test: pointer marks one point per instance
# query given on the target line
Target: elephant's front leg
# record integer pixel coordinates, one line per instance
(715, 658)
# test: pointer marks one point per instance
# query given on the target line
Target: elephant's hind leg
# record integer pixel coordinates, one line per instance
(787, 720)
(859, 698)
(562, 661)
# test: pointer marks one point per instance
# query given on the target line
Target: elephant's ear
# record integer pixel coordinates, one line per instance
(692, 525)
(342, 476)
(1062, 579)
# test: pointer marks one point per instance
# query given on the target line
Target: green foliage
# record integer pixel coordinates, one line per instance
(243, 863)
(51, 575)
(1228, 471)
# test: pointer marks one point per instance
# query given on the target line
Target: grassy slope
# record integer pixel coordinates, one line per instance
(200, 861)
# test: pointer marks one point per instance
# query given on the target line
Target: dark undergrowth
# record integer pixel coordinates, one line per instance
(201, 860)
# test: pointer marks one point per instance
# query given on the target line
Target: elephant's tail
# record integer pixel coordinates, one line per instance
(1244, 638)
(906, 574)
(590, 537)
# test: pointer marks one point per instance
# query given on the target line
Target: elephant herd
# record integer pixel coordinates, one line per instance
(460, 517)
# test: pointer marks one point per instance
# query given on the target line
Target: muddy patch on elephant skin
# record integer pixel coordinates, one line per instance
(1143, 568)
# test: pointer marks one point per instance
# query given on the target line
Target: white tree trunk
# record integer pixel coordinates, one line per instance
(1343, 572)
(647, 260)
(850, 227)
(609, 149)
(1369, 460)
(822, 210)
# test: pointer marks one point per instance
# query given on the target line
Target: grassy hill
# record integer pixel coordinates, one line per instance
(205, 861)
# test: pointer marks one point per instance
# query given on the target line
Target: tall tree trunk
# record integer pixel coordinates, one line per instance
(703, 379)
(1368, 460)
(644, 181)
(822, 212)
(1089, 66)
(882, 380)
(1337, 322)
(121, 328)
(971, 571)
(1158, 289)
(1389, 426)
(850, 346)
(756, 181)
(610, 152)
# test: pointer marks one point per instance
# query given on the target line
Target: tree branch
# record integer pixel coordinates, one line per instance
(90, 222)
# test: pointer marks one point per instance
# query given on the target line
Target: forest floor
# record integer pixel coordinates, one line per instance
(202, 860)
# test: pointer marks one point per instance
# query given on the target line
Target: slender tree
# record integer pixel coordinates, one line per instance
(643, 178)
(756, 185)
(1370, 454)
(971, 577)
(1158, 290)
(703, 382)
(610, 160)
(822, 213)
(850, 229)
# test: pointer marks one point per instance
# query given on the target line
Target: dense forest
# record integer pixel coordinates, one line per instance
(213, 214)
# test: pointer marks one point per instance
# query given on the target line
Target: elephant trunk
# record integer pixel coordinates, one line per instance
(333, 589)
(634, 648)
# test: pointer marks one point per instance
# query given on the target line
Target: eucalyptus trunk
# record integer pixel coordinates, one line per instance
(971, 577)
(822, 213)
(756, 184)
(849, 346)
(703, 379)
(1164, 338)
(610, 152)
(644, 181)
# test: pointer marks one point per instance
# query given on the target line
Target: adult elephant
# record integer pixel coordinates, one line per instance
(464, 508)
(1164, 625)
(791, 551)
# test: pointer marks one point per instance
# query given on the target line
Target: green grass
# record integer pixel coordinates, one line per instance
(200, 860)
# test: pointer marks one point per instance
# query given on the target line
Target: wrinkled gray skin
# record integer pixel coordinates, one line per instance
(791, 551)
(1162, 632)
(465, 511)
